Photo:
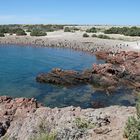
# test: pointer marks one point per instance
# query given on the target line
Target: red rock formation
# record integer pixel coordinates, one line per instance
(14, 108)
(121, 68)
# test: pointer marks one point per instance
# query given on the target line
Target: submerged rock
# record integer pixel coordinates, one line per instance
(61, 77)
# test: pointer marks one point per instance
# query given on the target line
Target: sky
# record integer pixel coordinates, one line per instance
(113, 12)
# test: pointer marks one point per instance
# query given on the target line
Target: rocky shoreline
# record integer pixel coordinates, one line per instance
(121, 69)
(77, 43)
(24, 119)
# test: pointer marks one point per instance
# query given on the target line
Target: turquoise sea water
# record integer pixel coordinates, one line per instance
(19, 66)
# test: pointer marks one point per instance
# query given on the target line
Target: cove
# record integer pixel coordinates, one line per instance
(19, 66)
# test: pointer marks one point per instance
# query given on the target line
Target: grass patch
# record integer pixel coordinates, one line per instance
(83, 124)
(46, 136)
(132, 128)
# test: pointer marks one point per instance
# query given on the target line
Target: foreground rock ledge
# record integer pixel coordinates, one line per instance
(23, 119)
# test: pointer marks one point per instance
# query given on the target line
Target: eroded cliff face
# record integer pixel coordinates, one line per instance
(25, 119)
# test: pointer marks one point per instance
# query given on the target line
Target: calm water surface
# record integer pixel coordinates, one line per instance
(19, 66)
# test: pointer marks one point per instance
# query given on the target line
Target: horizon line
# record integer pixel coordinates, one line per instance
(68, 24)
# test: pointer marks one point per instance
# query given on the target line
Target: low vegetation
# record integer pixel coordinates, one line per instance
(2, 35)
(46, 136)
(45, 131)
(85, 35)
(94, 35)
(70, 29)
(67, 29)
(12, 28)
(127, 31)
(20, 32)
(132, 129)
(103, 36)
(83, 124)
(44, 28)
(38, 32)
(91, 30)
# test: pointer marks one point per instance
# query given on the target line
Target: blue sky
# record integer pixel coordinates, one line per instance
(122, 12)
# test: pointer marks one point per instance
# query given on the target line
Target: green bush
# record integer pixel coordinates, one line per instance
(4, 29)
(85, 35)
(132, 128)
(12, 30)
(2, 35)
(20, 32)
(133, 31)
(67, 29)
(91, 30)
(103, 36)
(38, 33)
(94, 35)
(71, 29)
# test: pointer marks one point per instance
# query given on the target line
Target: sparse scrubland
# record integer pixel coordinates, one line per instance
(128, 31)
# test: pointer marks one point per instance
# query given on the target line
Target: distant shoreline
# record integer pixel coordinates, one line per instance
(75, 42)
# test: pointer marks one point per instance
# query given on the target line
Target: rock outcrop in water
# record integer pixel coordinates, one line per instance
(61, 77)
(121, 69)
(72, 78)
(25, 119)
